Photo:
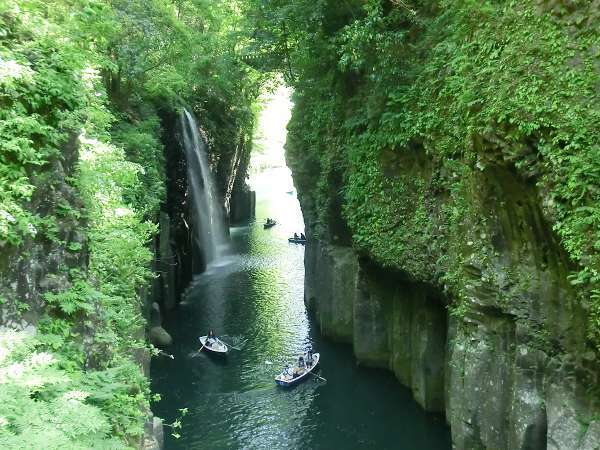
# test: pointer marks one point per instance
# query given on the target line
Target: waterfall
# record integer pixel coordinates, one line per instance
(209, 226)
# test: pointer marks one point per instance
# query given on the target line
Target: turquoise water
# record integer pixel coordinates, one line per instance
(233, 403)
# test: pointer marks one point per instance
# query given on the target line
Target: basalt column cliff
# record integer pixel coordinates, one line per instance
(446, 158)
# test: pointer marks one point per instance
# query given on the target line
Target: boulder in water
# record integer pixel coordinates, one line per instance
(159, 337)
(155, 317)
(154, 434)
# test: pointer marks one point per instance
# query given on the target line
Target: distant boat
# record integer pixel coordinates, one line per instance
(269, 224)
(290, 192)
(290, 380)
(216, 346)
(297, 241)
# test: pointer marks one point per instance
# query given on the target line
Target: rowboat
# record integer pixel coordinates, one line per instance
(269, 224)
(297, 241)
(289, 380)
(216, 346)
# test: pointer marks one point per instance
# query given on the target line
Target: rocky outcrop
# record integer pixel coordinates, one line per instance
(508, 363)
(154, 436)
(157, 335)
(498, 389)
(42, 262)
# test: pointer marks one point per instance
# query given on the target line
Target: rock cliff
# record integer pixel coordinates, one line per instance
(445, 243)
(498, 371)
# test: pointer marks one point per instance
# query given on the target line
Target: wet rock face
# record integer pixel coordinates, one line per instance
(371, 330)
(242, 204)
(240, 200)
(175, 241)
(510, 368)
(179, 258)
(42, 263)
(167, 265)
(390, 323)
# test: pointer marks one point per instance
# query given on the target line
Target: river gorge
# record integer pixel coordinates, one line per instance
(258, 293)
(441, 157)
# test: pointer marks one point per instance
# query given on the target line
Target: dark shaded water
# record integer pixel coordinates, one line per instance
(234, 403)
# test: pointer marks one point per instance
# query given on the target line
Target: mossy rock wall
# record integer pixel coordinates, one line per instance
(452, 152)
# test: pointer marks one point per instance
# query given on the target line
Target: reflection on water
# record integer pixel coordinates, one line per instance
(234, 403)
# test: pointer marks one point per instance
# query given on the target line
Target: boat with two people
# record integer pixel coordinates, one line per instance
(269, 223)
(304, 366)
(213, 344)
(298, 239)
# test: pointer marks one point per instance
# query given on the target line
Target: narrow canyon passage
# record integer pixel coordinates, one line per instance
(234, 403)
(445, 159)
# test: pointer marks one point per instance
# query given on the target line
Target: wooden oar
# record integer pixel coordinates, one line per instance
(320, 378)
(160, 352)
(201, 348)
(229, 345)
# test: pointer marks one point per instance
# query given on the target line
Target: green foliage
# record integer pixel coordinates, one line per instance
(44, 406)
(51, 94)
(39, 109)
(443, 91)
(78, 299)
(141, 143)
(82, 86)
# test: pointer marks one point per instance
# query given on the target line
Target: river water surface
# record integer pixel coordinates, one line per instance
(257, 294)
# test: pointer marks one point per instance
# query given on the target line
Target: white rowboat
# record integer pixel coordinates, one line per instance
(213, 345)
(289, 380)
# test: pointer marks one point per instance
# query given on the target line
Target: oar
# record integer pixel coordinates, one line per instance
(229, 345)
(320, 378)
(201, 348)
(160, 352)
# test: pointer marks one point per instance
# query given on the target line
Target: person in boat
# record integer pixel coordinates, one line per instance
(295, 235)
(210, 338)
(300, 369)
(302, 236)
(287, 373)
(309, 358)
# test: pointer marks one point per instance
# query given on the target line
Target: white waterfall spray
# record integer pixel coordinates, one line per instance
(209, 226)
